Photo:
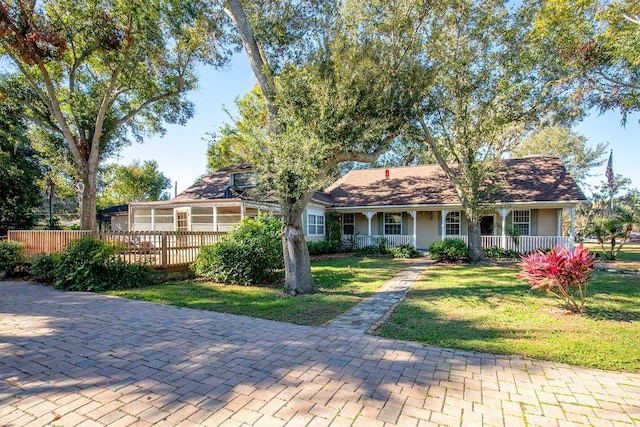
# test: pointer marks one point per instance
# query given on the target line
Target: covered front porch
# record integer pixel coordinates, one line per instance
(521, 229)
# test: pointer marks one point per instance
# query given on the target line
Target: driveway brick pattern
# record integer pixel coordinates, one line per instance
(78, 359)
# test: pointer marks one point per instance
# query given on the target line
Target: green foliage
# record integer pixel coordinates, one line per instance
(494, 252)
(449, 250)
(593, 46)
(334, 228)
(378, 248)
(91, 265)
(19, 170)
(323, 247)
(404, 251)
(251, 253)
(12, 257)
(100, 75)
(43, 266)
(133, 183)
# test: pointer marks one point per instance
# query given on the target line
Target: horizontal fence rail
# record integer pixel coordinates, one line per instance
(160, 249)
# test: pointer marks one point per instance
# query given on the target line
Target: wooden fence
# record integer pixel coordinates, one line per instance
(161, 249)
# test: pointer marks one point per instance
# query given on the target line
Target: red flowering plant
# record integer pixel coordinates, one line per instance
(561, 272)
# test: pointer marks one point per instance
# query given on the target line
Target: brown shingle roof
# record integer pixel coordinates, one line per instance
(533, 179)
(216, 186)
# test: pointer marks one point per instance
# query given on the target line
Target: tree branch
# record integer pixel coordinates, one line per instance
(258, 64)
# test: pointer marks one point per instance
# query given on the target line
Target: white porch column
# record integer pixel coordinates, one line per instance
(414, 215)
(243, 211)
(503, 216)
(153, 219)
(444, 222)
(369, 215)
(215, 218)
(559, 221)
(572, 212)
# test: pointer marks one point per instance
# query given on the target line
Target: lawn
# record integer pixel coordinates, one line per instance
(486, 309)
(343, 284)
(628, 258)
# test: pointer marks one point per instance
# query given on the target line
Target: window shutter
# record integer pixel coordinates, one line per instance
(405, 224)
(439, 223)
(380, 217)
(464, 224)
(533, 222)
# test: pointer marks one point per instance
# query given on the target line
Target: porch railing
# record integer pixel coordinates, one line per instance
(161, 249)
(524, 243)
(359, 241)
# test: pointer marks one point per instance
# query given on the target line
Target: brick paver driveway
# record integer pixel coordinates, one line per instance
(71, 359)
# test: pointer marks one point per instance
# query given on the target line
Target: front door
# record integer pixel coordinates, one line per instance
(182, 220)
(486, 225)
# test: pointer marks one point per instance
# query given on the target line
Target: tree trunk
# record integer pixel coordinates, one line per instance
(88, 198)
(476, 254)
(297, 265)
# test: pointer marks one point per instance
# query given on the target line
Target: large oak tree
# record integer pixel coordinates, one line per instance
(100, 74)
(337, 86)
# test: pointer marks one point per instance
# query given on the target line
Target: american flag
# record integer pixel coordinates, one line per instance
(609, 172)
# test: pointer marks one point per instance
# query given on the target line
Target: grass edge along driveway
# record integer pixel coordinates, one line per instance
(486, 309)
(343, 283)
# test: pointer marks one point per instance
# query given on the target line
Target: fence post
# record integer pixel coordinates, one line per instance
(163, 236)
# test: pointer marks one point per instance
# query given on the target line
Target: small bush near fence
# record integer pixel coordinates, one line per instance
(449, 250)
(89, 264)
(12, 258)
(43, 266)
(250, 254)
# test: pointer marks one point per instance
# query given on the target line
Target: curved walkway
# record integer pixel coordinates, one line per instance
(370, 313)
(78, 359)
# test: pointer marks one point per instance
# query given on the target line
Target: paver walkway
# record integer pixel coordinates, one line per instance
(70, 359)
(370, 312)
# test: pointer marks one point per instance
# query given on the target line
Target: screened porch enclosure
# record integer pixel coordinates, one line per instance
(519, 229)
(191, 218)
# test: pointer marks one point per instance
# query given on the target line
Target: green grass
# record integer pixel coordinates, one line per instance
(628, 258)
(486, 309)
(343, 283)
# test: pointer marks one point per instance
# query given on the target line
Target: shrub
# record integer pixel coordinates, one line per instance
(250, 254)
(43, 266)
(379, 248)
(12, 257)
(323, 247)
(561, 273)
(494, 252)
(89, 264)
(404, 251)
(449, 250)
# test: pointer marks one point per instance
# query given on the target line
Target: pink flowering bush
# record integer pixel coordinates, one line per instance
(560, 272)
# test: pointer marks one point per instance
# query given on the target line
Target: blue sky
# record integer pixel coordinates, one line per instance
(181, 153)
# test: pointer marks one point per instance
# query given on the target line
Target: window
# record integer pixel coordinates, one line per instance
(392, 223)
(315, 223)
(452, 224)
(243, 179)
(348, 224)
(521, 220)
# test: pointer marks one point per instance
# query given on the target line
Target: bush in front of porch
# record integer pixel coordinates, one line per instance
(250, 254)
